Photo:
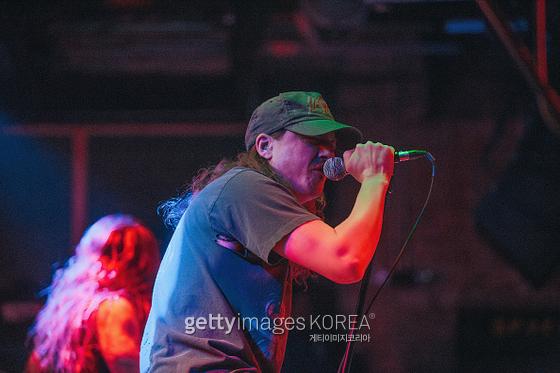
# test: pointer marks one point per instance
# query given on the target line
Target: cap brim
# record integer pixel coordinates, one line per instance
(347, 136)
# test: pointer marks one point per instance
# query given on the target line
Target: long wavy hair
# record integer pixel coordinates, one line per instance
(117, 256)
(173, 209)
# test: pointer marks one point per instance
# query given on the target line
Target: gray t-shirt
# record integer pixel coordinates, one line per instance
(220, 287)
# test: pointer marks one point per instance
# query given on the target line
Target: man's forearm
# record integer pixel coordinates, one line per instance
(360, 232)
(343, 253)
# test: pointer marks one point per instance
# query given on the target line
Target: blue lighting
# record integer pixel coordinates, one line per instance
(478, 26)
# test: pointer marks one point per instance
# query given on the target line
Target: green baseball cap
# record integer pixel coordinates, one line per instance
(305, 113)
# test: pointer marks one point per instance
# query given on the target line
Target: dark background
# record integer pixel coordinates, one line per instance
(477, 289)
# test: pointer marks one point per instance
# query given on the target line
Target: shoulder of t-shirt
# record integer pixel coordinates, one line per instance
(242, 181)
(245, 174)
(242, 184)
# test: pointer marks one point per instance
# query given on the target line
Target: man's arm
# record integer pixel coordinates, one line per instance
(343, 253)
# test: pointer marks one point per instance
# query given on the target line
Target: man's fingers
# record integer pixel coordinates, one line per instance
(347, 154)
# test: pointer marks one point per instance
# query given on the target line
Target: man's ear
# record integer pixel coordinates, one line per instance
(263, 145)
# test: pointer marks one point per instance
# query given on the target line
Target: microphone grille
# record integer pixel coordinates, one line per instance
(334, 169)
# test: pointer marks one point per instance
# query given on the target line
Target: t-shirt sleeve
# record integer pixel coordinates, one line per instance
(257, 212)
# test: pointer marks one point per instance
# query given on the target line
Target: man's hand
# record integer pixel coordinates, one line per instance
(370, 160)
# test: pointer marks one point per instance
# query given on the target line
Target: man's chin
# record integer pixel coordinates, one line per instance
(313, 191)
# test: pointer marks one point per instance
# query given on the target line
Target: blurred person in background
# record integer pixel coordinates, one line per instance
(98, 303)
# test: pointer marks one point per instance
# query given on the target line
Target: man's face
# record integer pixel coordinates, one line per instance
(299, 160)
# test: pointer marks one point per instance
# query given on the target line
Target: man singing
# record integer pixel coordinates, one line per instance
(245, 229)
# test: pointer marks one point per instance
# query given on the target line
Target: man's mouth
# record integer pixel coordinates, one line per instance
(318, 166)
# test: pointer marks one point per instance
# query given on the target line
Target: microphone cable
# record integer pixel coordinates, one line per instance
(345, 363)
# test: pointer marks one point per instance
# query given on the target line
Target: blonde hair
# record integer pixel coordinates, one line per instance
(117, 256)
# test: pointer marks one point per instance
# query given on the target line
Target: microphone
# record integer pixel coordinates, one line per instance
(334, 167)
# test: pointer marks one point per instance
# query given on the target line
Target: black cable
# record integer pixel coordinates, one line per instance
(359, 311)
(346, 361)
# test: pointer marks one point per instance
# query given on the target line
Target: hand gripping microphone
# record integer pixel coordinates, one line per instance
(334, 167)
